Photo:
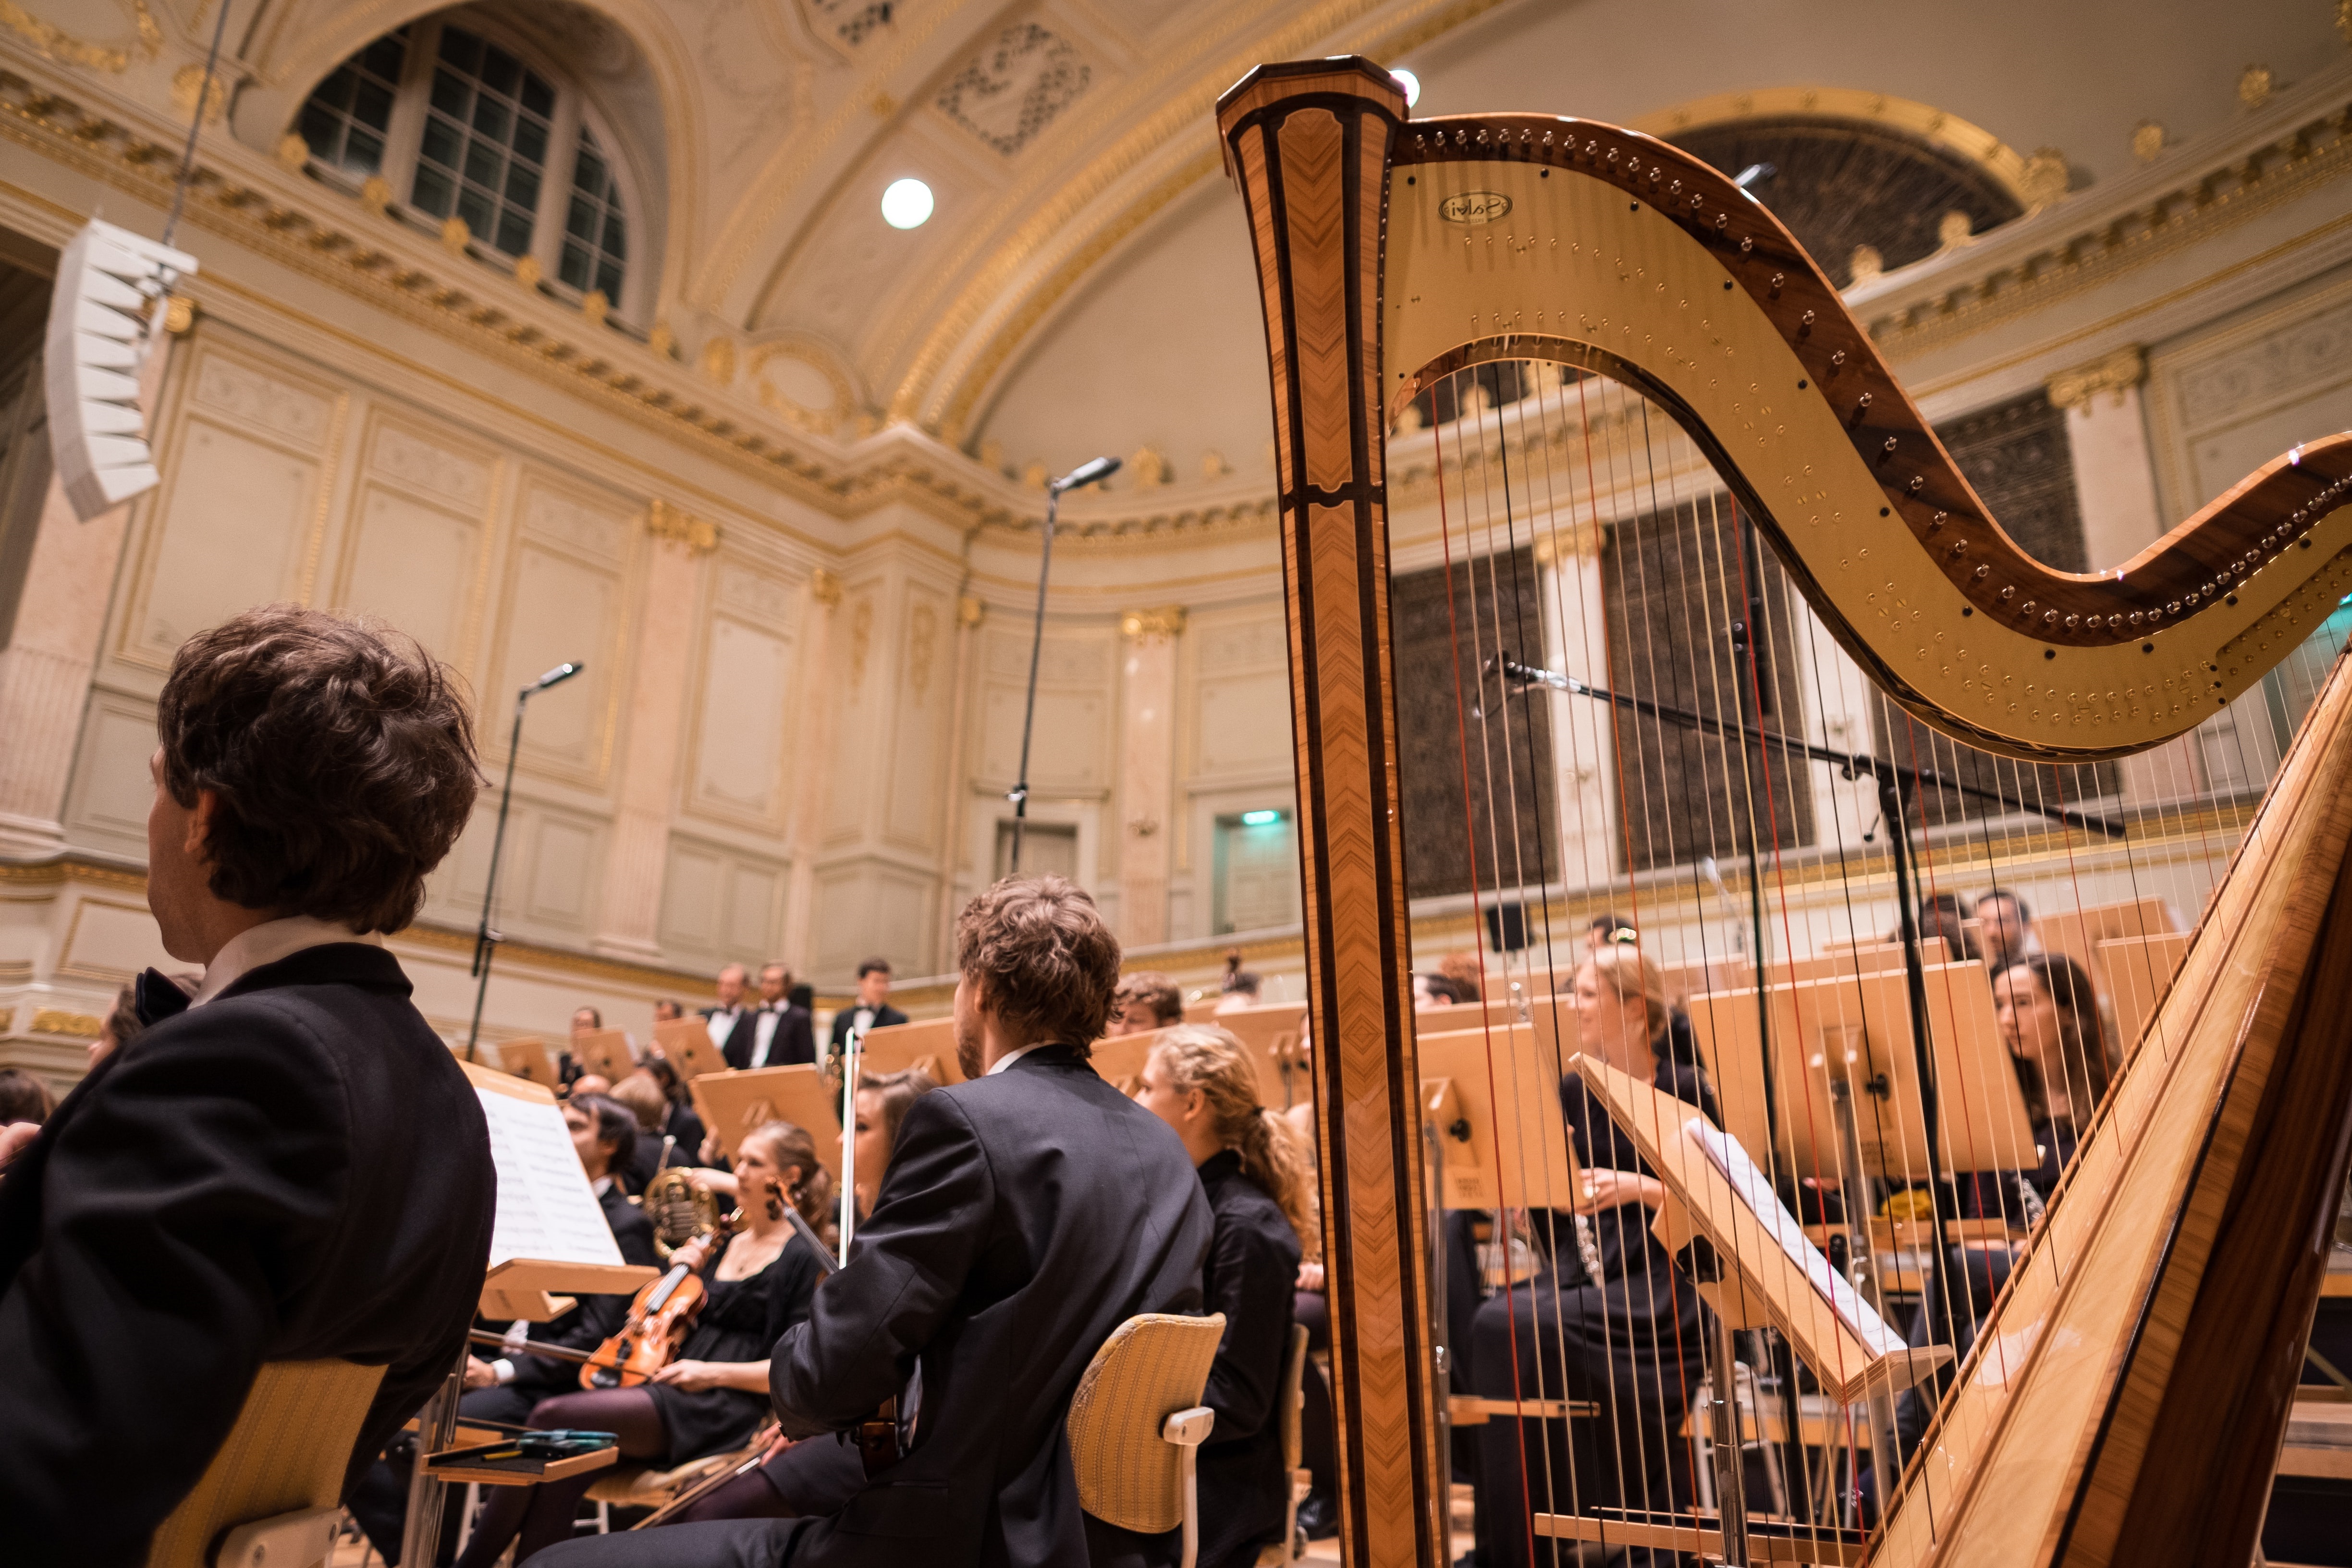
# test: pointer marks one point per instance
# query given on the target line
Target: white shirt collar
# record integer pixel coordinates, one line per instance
(601, 1186)
(1009, 1057)
(267, 942)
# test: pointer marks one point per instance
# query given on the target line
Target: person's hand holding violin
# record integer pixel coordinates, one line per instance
(695, 1254)
(479, 1374)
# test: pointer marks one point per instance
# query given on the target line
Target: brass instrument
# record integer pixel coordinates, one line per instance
(2125, 1397)
(680, 1210)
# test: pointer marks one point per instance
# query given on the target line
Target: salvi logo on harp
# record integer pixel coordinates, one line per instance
(1474, 207)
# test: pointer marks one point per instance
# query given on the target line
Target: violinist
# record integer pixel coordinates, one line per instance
(710, 1395)
(817, 1474)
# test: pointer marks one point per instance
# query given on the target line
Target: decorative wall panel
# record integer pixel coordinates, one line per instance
(228, 534)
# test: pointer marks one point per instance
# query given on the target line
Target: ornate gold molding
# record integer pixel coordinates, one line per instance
(2118, 372)
(1579, 541)
(1152, 626)
(57, 1021)
(55, 43)
(673, 526)
(824, 587)
(971, 610)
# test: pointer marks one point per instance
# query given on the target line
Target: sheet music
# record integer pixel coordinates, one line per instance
(1755, 1188)
(546, 1208)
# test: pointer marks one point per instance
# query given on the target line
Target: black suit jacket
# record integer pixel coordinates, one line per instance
(1023, 1217)
(793, 1044)
(735, 1032)
(296, 1170)
(884, 1017)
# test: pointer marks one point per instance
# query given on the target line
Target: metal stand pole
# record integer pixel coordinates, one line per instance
(1020, 795)
(486, 940)
(437, 1428)
(1886, 1444)
(1730, 1466)
(852, 1047)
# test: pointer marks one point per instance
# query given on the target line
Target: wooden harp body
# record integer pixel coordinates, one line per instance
(2127, 1397)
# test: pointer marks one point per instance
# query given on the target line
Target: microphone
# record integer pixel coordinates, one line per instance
(1085, 474)
(557, 677)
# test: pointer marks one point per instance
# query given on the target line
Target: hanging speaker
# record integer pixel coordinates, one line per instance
(110, 283)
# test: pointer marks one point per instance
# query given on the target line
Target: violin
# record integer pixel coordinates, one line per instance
(660, 1317)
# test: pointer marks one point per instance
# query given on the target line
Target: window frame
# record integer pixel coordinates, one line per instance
(403, 140)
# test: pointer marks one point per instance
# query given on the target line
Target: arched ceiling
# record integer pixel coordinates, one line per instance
(1084, 284)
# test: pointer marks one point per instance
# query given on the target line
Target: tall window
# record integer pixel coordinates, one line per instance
(595, 238)
(349, 115)
(462, 124)
(485, 139)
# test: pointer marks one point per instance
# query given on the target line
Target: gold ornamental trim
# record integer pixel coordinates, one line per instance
(55, 43)
(1940, 128)
(1159, 625)
(2118, 372)
(57, 1021)
(673, 525)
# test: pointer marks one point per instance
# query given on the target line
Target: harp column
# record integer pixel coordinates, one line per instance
(1308, 144)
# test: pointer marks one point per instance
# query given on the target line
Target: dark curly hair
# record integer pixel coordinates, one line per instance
(341, 755)
(1048, 962)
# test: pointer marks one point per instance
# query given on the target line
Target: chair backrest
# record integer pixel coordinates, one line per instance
(1150, 1368)
(1293, 1397)
(287, 1451)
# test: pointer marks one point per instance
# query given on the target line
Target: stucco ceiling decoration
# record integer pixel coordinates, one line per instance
(848, 22)
(1070, 210)
(1013, 89)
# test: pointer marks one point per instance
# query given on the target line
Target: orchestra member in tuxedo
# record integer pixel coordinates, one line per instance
(723, 1020)
(1145, 1001)
(1200, 1083)
(1026, 1214)
(713, 1396)
(872, 1009)
(287, 1166)
(777, 1034)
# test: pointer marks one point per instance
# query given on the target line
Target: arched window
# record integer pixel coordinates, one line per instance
(458, 122)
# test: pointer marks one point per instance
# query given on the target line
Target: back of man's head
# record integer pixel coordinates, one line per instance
(341, 756)
(1048, 963)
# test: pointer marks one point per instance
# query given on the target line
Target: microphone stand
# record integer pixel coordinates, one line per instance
(1083, 474)
(486, 940)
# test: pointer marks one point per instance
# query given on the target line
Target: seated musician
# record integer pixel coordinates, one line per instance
(1145, 1001)
(505, 1388)
(1606, 1319)
(654, 1115)
(680, 1120)
(1200, 1082)
(817, 1474)
(710, 1396)
(1241, 985)
(287, 1166)
(1026, 1214)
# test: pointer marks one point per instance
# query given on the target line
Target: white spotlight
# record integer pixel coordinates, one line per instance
(1411, 85)
(907, 204)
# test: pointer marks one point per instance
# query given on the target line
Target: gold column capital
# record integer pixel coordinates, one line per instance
(2118, 372)
(971, 610)
(675, 526)
(824, 587)
(1151, 625)
(1579, 542)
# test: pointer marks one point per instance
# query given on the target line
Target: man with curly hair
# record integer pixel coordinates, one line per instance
(289, 1166)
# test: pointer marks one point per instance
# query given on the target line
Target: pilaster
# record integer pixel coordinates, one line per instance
(1146, 770)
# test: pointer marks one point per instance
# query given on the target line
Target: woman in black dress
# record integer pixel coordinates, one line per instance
(1609, 1319)
(714, 1394)
(1200, 1082)
(818, 1475)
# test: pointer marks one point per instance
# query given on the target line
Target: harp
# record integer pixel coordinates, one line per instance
(1600, 347)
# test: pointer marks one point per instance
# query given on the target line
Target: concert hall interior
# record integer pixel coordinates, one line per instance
(1675, 818)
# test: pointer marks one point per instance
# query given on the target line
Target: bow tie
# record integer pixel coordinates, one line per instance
(155, 998)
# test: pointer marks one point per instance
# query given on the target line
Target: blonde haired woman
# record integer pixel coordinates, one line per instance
(1200, 1082)
(1607, 1320)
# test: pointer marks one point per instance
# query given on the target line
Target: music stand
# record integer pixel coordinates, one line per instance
(928, 1045)
(685, 1043)
(732, 1103)
(1120, 1059)
(527, 1060)
(605, 1052)
(1494, 1099)
(2140, 971)
(1274, 1035)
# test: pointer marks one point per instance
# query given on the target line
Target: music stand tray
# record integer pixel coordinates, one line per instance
(1120, 1059)
(732, 1103)
(1274, 1035)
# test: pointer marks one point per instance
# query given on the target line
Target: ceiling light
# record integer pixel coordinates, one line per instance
(1260, 818)
(1411, 85)
(907, 204)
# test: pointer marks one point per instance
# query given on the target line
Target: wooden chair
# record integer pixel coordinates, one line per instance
(1136, 1422)
(644, 1486)
(1294, 1417)
(272, 1494)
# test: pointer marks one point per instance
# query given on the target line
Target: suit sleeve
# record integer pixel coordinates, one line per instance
(1255, 1279)
(867, 1323)
(183, 1204)
(802, 1047)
